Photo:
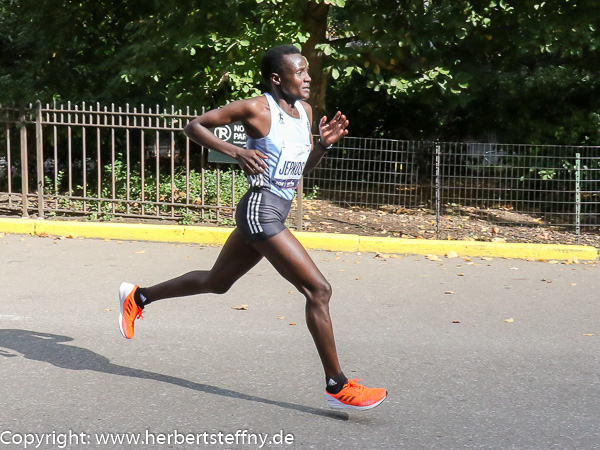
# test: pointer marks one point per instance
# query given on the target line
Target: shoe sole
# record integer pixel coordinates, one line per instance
(124, 290)
(336, 404)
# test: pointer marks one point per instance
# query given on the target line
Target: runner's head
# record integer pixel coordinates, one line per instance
(285, 71)
(274, 60)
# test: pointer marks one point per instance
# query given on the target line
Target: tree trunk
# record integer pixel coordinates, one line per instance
(315, 20)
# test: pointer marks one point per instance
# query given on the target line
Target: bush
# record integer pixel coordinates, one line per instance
(210, 187)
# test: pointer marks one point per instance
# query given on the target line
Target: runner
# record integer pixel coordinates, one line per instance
(279, 150)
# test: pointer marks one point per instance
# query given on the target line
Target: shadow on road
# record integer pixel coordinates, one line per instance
(51, 348)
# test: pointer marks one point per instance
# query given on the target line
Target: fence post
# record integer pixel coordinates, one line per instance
(299, 204)
(438, 188)
(24, 164)
(39, 151)
(578, 194)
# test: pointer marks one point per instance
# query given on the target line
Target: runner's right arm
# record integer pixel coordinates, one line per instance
(250, 113)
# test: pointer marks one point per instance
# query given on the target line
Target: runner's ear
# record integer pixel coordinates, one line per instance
(275, 79)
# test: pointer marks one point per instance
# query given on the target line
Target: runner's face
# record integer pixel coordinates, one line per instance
(295, 80)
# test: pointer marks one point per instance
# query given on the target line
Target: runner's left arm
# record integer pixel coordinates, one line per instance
(329, 133)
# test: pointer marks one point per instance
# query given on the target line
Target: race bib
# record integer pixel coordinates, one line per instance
(291, 165)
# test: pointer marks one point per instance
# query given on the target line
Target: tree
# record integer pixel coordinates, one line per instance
(53, 51)
(466, 66)
(411, 69)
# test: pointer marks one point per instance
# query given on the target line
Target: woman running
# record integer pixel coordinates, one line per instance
(279, 151)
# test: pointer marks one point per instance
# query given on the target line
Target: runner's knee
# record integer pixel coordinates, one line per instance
(220, 288)
(320, 293)
(216, 284)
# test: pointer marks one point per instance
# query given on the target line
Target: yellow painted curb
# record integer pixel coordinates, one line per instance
(331, 242)
(206, 235)
(17, 226)
(475, 248)
(314, 241)
(121, 231)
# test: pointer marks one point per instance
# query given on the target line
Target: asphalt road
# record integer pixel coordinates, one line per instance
(492, 354)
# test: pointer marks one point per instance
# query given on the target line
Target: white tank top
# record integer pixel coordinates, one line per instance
(287, 145)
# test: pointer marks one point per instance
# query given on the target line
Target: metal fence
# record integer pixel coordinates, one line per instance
(527, 185)
(92, 160)
(95, 161)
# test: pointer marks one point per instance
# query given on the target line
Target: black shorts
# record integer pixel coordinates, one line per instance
(261, 214)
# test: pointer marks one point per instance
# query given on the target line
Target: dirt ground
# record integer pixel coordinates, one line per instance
(467, 224)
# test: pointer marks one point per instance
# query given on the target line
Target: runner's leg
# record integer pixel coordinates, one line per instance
(235, 259)
(292, 261)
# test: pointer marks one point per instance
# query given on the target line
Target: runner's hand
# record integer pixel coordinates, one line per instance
(334, 130)
(251, 161)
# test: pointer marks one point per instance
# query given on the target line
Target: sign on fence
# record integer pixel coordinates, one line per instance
(233, 134)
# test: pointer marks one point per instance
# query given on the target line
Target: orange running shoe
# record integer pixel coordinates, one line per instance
(356, 396)
(129, 309)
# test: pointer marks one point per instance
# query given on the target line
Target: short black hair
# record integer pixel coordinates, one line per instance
(272, 60)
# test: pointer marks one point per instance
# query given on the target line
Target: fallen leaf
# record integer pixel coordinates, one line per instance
(44, 234)
(108, 309)
(589, 334)
(281, 317)
(461, 274)
(487, 258)
(449, 292)
(573, 284)
(141, 251)
(456, 321)
(511, 320)
(451, 255)
(433, 258)
(292, 323)
(240, 307)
